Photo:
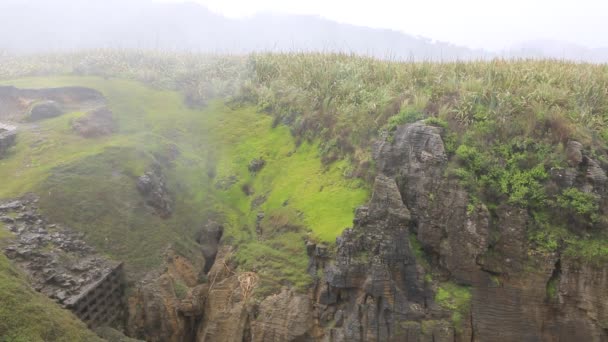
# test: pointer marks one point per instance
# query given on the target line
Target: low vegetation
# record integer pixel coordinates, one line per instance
(455, 298)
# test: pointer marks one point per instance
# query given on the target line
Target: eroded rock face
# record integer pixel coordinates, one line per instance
(159, 310)
(44, 110)
(286, 316)
(209, 238)
(256, 165)
(152, 186)
(379, 285)
(374, 289)
(8, 137)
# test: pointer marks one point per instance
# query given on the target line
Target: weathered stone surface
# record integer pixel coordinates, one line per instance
(8, 137)
(44, 110)
(256, 165)
(226, 312)
(59, 263)
(286, 316)
(209, 238)
(152, 186)
(375, 282)
(574, 153)
(157, 313)
(96, 123)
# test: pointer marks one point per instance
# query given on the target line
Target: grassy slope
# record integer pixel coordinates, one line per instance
(90, 184)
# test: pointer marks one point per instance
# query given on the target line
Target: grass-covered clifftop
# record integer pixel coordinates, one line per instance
(313, 119)
(506, 126)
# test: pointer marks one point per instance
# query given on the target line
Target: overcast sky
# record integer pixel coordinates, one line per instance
(486, 24)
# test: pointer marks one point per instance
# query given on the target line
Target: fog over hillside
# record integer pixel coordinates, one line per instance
(43, 26)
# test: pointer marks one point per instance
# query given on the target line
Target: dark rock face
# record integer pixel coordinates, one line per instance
(283, 317)
(375, 290)
(44, 110)
(96, 123)
(209, 238)
(256, 165)
(152, 186)
(8, 137)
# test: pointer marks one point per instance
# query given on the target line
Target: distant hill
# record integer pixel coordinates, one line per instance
(558, 50)
(28, 26)
(35, 26)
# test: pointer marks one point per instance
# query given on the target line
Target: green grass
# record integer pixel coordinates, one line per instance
(28, 316)
(89, 184)
(455, 298)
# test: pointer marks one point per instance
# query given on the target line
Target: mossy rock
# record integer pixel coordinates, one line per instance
(43, 110)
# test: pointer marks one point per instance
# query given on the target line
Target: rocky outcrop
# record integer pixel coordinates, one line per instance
(152, 186)
(18, 104)
(43, 110)
(209, 239)
(286, 316)
(96, 123)
(256, 165)
(8, 137)
(159, 310)
(418, 236)
(375, 290)
(61, 265)
(225, 306)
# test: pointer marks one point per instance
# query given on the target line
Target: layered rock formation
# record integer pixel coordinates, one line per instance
(43, 110)
(8, 137)
(376, 283)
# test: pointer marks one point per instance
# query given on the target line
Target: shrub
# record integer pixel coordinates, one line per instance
(455, 298)
(433, 121)
(406, 115)
(180, 289)
(580, 203)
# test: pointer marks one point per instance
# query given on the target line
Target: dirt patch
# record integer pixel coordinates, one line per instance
(96, 123)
